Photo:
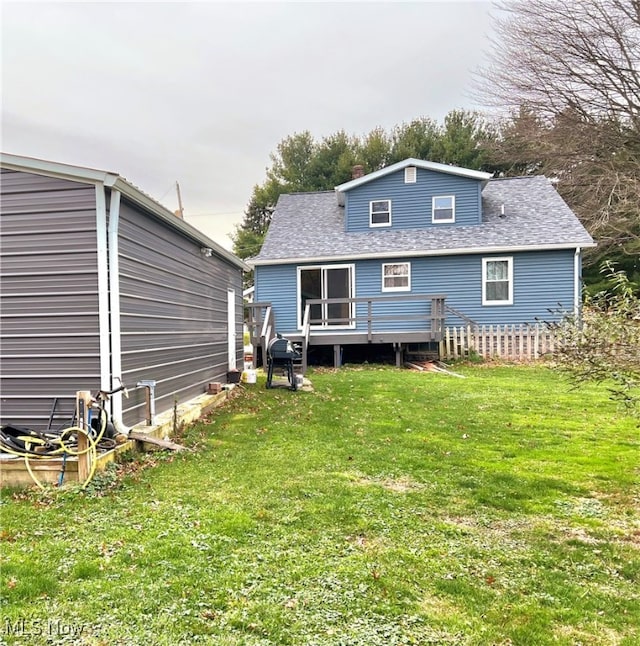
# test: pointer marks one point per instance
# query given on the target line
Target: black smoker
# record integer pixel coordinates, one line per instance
(280, 353)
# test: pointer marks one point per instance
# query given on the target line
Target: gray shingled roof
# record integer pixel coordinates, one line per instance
(310, 226)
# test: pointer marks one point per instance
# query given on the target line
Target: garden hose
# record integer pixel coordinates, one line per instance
(31, 445)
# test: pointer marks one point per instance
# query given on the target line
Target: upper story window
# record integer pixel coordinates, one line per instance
(380, 213)
(443, 208)
(497, 281)
(410, 175)
(396, 277)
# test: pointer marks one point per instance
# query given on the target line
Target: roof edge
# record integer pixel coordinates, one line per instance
(56, 169)
(254, 262)
(419, 163)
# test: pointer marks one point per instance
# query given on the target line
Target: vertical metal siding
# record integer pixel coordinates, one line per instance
(173, 308)
(49, 303)
(411, 203)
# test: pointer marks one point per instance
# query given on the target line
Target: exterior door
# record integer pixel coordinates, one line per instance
(326, 282)
(338, 285)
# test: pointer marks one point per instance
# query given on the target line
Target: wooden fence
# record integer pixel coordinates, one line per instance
(512, 342)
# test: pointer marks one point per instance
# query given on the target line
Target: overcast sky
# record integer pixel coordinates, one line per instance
(201, 93)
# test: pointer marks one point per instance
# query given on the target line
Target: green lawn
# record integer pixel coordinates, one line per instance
(387, 507)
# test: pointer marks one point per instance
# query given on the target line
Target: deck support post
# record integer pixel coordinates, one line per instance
(337, 355)
(398, 348)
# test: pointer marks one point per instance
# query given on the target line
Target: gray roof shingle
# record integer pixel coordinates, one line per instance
(310, 226)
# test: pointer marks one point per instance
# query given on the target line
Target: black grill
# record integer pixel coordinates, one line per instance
(281, 354)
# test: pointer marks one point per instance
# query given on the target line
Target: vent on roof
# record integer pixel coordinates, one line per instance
(410, 175)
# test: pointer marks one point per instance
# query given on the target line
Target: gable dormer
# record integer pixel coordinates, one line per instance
(413, 194)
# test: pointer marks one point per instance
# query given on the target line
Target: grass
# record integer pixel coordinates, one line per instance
(386, 507)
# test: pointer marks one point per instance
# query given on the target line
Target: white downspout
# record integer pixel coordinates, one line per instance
(103, 287)
(577, 283)
(114, 301)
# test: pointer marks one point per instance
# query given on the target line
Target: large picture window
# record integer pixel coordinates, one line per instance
(328, 282)
(497, 281)
(396, 277)
(380, 213)
(443, 209)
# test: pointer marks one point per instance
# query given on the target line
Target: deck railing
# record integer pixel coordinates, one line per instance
(432, 322)
(374, 320)
(260, 322)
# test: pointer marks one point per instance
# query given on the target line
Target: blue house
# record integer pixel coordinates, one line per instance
(396, 255)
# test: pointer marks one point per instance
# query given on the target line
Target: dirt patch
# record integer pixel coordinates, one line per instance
(397, 485)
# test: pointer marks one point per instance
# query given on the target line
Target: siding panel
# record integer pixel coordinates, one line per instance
(278, 285)
(173, 303)
(49, 302)
(542, 281)
(411, 203)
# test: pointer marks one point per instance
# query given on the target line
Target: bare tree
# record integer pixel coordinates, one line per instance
(568, 74)
(576, 55)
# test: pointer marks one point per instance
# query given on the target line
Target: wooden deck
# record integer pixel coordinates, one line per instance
(375, 326)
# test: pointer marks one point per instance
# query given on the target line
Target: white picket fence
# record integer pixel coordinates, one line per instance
(511, 342)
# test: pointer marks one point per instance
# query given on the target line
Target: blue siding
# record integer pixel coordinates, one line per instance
(411, 203)
(543, 282)
(278, 285)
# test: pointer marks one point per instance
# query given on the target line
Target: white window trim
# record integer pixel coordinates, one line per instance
(433, 209)
(397, 289)
(410, 175)
(485, 262)
(352, 286)
(379, 224)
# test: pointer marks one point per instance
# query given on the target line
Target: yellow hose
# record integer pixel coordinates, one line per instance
(54, 455)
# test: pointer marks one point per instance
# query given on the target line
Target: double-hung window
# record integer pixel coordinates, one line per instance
(380, 213)
(443, 209)
(497, 281)
(396, 277)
